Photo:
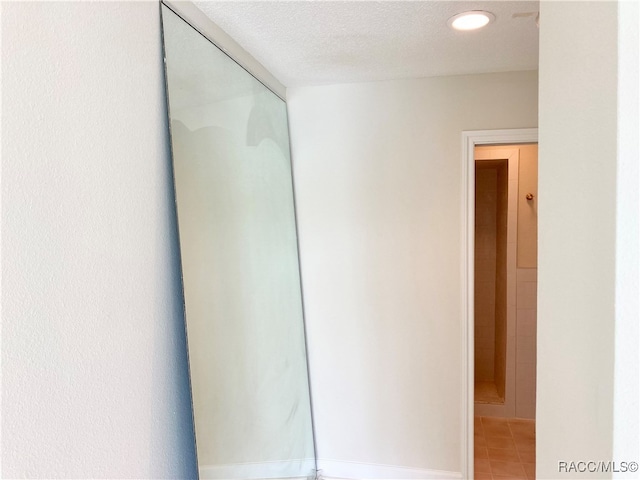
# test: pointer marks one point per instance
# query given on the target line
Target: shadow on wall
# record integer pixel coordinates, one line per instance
(173, 346)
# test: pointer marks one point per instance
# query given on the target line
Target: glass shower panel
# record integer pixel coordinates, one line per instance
(239, 253)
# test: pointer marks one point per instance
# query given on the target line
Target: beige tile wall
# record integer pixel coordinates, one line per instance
(526, 300)
(501, 278)
(526, 284)
(528, 209)
(485, 272)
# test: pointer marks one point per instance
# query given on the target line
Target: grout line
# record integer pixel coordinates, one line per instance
(520, 462)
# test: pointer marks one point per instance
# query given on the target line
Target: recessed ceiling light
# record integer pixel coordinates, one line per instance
(471, 20)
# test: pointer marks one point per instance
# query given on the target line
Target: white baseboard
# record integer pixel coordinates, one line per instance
(339, 470)
(281, 469)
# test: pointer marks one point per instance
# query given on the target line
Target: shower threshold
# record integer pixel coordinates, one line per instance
(487, 392)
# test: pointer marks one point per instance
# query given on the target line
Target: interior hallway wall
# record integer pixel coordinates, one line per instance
(94, 375)
(93, 378)
(378, 180)
(626, 406)
(583, 141)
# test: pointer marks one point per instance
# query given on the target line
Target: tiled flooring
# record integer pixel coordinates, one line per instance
(504, 448)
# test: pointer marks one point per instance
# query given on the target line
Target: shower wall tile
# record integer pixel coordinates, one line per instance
(486, 339)
(526, 342)
(511, 314)
(527, 317)
(528, 209)
(526, 294)
(526, 348)
(485, 272)
(527, 274)
(484, 368)
(527, 330)
(527, 410)
(511, 259)
(512, 232)
(501, 321)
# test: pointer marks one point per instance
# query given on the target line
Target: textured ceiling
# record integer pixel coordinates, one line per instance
(324, 42)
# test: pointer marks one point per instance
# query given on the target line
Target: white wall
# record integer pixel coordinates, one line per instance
(377, 168)
(626, 407)
(94, 379)
(578, 238)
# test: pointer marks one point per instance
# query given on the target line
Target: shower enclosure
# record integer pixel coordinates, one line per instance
(491, 280)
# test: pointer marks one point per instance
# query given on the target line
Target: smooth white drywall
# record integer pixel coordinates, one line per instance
(94, 375)
(626, 413)
(377, 168)
(577, 234)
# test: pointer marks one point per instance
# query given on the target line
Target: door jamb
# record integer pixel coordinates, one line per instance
(470, 139)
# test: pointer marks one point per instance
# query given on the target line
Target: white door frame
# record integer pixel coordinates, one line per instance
(469, 140)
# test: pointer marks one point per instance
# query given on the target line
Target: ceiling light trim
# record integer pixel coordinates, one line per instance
(471, 20)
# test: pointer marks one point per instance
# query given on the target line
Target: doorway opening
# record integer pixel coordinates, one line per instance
(500, 258)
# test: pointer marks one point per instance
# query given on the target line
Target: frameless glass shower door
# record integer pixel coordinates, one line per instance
(243, 299)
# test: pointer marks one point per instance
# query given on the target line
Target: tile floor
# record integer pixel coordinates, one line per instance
(504, 448)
